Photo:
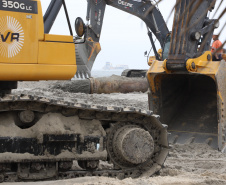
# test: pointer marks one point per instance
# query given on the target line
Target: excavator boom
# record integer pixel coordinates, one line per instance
(145, 10)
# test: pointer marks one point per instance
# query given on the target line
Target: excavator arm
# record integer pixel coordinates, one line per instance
(145, 10)
(191, 34)
(51, 14)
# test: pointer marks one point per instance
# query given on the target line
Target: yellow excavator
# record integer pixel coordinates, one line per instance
(186, 87)
(41, 138)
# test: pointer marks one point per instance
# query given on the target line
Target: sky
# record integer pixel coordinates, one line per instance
(124, 37)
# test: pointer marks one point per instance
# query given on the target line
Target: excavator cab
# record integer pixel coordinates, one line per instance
(188, 89)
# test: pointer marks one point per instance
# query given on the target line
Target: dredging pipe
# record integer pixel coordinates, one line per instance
(105, 85)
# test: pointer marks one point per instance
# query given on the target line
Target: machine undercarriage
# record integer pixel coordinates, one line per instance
(40, 139)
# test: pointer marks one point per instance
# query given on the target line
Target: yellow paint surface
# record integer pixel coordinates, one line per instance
(32, 72)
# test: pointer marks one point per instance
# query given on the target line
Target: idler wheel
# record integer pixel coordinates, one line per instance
(134, 145)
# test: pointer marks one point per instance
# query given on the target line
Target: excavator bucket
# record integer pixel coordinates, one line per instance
(86, 53)
(192, 104)
(188, 89)
(86, 49)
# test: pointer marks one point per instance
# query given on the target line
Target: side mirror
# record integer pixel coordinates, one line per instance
(79, 26)
(145, 53)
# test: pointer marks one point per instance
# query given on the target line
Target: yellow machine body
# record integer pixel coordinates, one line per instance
(26, 53)
(191, 103)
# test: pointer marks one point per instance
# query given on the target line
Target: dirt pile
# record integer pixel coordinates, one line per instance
(45, 88)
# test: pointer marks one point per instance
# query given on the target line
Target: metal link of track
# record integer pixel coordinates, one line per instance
(119, 116)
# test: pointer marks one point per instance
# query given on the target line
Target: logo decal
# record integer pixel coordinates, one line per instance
(124, 3)
(26, 6)
(11, 37)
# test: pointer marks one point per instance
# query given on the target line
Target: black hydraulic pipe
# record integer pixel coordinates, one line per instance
(153, 45)
(67, 16)
(88, 10)
(51, 14)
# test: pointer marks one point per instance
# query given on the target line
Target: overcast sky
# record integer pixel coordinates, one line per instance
(124, 37)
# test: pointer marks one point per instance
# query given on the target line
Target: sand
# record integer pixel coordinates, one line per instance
(186, 164)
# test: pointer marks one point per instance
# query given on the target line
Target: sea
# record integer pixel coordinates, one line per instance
(101, 73)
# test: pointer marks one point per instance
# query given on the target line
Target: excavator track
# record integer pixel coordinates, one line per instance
(41, 138)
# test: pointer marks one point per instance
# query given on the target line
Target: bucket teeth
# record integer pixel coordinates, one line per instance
(189, 138)
(82, 72)
(84, 66)
(86, 54)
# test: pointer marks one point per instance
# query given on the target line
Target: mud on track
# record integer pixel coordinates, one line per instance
(186, 164)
